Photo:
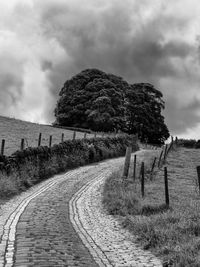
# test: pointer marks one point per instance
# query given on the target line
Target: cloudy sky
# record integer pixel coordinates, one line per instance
(44, 43)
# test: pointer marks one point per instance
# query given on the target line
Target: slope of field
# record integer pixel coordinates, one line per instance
(172, 234)
(13, 131)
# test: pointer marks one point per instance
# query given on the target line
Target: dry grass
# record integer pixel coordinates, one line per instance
(8, 187)
(13, 131)
(172, 234)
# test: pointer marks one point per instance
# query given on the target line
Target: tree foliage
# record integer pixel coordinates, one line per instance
(92, 99)
(143, 113)
(105, 102)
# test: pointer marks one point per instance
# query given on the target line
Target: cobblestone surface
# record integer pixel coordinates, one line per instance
(62, 223)
(102, 233)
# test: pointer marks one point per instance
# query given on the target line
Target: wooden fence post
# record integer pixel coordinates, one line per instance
(165, 153)
(142, 179)
(159, 161)
(85, 135)
(172, 139)
(50, 140)
(152, 168)
(134, 167)
(74, 135)
(176, 141)
(62, 137)
(127, 162)
(170, 147)
(198, 174)
(39, 139)
(2, 146)
(22, 144)
(166, 187)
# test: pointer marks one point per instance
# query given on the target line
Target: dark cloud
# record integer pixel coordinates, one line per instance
(107, 40)
(46, 65)
(182, 118)
(115, 40)
(143, 41)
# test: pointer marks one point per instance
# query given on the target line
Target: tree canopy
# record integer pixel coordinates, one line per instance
(143, 113)
(105, 102)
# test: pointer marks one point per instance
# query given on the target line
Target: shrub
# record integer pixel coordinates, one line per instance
(32, 165)
(197, 145)
(188, 143)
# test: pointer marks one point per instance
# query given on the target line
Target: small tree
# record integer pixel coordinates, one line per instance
(143, 113)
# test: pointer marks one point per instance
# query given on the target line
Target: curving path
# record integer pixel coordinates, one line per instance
(61, 223)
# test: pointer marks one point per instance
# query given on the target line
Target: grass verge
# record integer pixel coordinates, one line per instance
(172, 234)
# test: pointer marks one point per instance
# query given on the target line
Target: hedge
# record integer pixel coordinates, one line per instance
(32, 165)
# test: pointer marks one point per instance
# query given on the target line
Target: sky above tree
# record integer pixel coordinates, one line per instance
(44, 43)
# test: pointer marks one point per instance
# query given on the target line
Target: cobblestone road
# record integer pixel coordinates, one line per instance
(62, 224)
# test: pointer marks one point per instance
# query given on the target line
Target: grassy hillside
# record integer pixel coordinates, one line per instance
(172, 234)
(13, 131)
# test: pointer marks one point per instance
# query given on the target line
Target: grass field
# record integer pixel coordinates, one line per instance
(13, 131)
(172, 234)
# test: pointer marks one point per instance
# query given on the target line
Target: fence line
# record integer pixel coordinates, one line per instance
(161, 160)
(23, 142)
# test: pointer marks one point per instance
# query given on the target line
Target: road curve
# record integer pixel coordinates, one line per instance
(58, 223)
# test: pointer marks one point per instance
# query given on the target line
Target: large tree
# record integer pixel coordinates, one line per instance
(92, 99)
(105, 102)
